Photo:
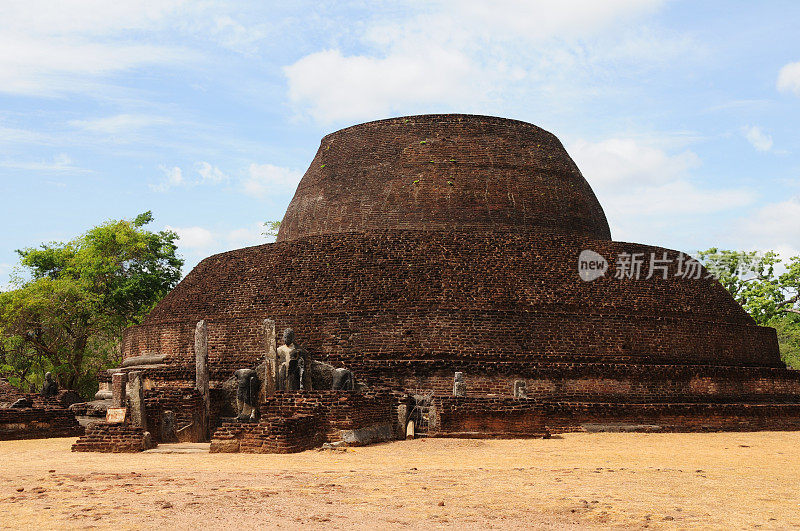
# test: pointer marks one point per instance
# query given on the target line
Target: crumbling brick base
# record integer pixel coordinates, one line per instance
(38, 423)
(509, 418)
(297, 421)
(116, 438)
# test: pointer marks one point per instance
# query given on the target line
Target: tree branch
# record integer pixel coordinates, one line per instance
(790, 300)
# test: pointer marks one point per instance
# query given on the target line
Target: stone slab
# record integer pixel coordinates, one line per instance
(369, 435)
(116, 415)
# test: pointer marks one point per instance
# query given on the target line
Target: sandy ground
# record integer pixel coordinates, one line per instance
(730, 480)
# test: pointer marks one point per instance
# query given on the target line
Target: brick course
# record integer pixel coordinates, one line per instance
(482, 417)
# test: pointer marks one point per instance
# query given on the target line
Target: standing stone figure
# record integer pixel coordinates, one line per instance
(50, 386)
(520, 389)
(292, 373)
(247, 394)
(459, 385)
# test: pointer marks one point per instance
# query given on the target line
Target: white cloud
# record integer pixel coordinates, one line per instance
(210, 174)
(119, 123)
(623, 161)
(60, 163)
(51, 46)
(46, 67)
(774, 226)
(674, 199)
(757, 138)
(194, 238)
(334, 87)
(246, 236)
(92, 17)
(646, 192)
(196, 243)
(542, 20)
(471, 54)
(789, 78)
(172, 177)
(264, 179)
(12, 135)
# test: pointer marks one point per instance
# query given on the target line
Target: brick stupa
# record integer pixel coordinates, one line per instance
(422, 246)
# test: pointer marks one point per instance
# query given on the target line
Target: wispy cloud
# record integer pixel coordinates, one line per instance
(757, 138)
(120, 123)
(174, 177)
(194, 238)
(210, 174)
(60, 163)
(264, 179)
(51, 47)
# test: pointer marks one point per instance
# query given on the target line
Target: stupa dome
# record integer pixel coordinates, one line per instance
(443, 172)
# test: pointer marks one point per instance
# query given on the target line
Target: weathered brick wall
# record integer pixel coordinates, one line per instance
(116, 438)
(424, 296)
(599, 382)
(277, 435)
(38, 423)
(483, 417)
(338, 410)
(442, 172)
(299, 420)
(64, 398)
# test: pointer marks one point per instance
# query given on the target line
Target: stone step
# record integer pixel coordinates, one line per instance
(180, 448)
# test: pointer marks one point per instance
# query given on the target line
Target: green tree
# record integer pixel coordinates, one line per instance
(773, 299)
(69, 314)
(271, 229)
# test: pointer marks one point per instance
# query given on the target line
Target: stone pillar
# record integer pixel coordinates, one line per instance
(168, 427)
(118, 395)
(136, 398)
(402, 420)
(520, 389)
(270, 377)
(201, 371)
(459, 386)
(433, 419)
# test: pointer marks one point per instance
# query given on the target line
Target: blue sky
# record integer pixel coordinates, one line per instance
(682, 115)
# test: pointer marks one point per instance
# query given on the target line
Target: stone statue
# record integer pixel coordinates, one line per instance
(459, 385)
(520, 389)
(292, 373)
(247, 394)
(50, 387)
(342, 379)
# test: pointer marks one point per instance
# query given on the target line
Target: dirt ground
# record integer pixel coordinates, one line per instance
(727, 480)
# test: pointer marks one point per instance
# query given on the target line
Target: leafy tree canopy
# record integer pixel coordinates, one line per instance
(767, 287)
(68, 315)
